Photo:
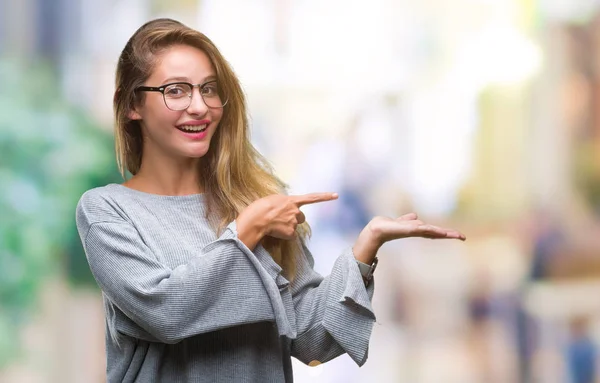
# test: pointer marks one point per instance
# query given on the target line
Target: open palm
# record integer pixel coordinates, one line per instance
(383, 229)
(409, 225)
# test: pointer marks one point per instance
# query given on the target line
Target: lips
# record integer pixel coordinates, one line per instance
(192, 128)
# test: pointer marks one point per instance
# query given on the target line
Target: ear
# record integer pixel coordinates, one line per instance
(134, 115)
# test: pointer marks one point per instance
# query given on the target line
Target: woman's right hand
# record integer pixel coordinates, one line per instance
(276, 216)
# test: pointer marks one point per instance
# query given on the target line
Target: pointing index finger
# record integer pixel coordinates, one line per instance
(311, 198)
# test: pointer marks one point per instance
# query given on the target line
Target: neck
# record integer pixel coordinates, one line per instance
(167, 176)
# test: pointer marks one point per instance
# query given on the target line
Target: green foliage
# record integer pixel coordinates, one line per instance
(50, 153)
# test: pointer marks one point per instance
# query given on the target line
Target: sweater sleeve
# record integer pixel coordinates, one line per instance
(333, 314)
(218, 288)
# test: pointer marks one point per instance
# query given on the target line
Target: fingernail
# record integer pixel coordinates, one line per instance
(335, 195)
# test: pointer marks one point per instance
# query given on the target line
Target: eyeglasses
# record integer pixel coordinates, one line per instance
(178, 95)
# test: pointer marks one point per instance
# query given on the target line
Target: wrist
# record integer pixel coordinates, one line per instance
(367, 270)
(250, 229)
(366, 247)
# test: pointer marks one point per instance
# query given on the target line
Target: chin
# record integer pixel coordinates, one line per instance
(196, 152)
(193, 149)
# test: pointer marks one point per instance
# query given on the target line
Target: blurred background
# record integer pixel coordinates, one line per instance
(480, 115)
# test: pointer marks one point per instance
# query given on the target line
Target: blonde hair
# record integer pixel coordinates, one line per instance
(233, 173)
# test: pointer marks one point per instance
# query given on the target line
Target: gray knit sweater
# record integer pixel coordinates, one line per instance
(183, 305)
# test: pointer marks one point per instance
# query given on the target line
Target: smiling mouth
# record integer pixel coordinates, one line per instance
(192, 128)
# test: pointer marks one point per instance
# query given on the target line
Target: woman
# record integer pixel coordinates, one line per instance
(200, 255)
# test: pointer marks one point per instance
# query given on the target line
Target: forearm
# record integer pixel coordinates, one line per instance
(334, 315)
(202, 295)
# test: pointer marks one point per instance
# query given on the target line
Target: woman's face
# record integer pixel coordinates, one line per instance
(181, 133)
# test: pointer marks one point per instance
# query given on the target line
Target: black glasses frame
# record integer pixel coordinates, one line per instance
(162, 88)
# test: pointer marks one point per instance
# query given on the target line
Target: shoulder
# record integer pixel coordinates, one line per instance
(98, 205)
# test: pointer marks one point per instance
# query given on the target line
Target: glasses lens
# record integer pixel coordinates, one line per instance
(178, 96)
(212, 95)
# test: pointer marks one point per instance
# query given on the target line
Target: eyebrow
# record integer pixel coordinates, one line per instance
(211, 77)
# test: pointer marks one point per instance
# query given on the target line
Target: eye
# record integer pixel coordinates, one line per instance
(210, 89)
(177, 90)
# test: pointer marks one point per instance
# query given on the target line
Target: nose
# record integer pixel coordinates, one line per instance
(197, 104)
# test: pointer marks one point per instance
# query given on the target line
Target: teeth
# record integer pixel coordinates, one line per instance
(193, 128)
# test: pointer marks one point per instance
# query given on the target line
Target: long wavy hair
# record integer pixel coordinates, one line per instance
(233, 173)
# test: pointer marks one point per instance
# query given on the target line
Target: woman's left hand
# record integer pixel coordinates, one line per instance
(383, 229)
